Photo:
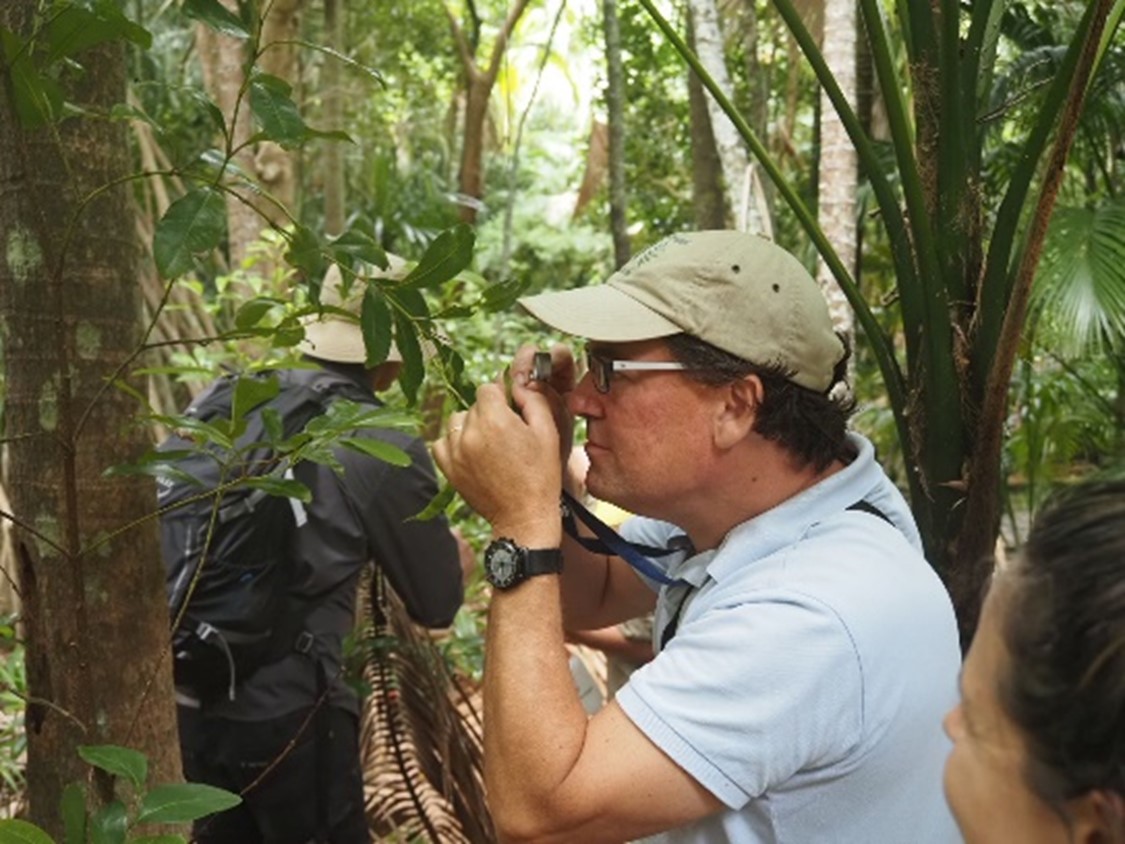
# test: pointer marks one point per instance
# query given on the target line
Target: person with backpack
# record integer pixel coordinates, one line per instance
(263, 588)
(805, 652)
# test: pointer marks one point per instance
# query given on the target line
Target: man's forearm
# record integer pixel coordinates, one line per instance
(535, 725)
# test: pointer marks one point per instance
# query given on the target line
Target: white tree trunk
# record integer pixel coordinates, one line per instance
(838, 168)
(732, 150)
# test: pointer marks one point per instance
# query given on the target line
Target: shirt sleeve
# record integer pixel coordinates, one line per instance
(366, 513)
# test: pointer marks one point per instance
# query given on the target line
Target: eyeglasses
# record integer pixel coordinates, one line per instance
(601, 368)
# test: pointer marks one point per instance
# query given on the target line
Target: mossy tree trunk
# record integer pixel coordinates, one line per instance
(95, 618)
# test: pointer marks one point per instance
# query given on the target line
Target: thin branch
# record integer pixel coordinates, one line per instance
(24, 526)
(500, 47)
(463, 51)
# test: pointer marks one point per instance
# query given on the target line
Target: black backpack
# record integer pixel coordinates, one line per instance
(232, 596)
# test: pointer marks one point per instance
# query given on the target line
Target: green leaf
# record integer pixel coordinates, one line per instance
(158, 839)
(73, 808)
(22, 832)
(183, 802)
(116, 760)
(249, 392)
(251, 313)
(159, 470)
(281, 487)
(304, 253)
(216, 16)
(356, 244)
(193, 224)
(438, 505)
(502, 296)
(271, 421)
(287, 335)
(1080, 284)
(413, 367)
(38, 99)
(375, 324)
(410, 300)
(350, 62)
(276, 112)
(450, 253)
(378, 449)
(109, 825)
(75, 29)
(328, 135)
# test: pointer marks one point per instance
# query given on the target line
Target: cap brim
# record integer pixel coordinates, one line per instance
(339, 341)
(601, 313)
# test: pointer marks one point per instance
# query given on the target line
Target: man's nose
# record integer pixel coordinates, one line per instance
(584, 400)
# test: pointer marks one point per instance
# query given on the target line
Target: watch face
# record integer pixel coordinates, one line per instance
(502, 563)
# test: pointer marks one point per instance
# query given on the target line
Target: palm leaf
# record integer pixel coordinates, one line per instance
(1080, 287)
(420, 737)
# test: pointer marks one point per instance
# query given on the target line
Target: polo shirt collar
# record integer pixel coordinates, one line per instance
(786, 523)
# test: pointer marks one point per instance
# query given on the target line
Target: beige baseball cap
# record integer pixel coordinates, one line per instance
(737, 291)
(332, 336)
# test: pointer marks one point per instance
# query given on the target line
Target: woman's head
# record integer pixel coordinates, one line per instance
(1039, 736)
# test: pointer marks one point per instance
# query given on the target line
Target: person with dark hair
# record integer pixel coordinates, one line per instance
(1039, 734)
(287, 736)
(805, 651)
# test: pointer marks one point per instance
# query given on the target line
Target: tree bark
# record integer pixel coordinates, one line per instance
(478, 90)
(615, 111)
(838, 164)
(708, 201)
(708, 39)
(335, 186)
(98, 668)
(222, 61)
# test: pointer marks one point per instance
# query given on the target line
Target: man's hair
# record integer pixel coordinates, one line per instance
(1063, 624)
(810, 425)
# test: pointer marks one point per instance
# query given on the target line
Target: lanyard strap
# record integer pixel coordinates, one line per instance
(609, 541)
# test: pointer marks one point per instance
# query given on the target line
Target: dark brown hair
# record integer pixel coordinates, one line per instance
(1064, 629)
(810, 425)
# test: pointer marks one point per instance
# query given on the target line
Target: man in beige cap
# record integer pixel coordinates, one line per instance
(805, 649)
(290, 728)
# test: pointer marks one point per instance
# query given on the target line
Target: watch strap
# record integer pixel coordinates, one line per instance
(542, 561)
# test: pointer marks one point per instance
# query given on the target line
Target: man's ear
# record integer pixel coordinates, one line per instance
(1097, 817)
(736, 416)
(383, 376)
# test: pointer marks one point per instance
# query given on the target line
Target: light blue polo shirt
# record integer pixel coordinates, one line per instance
(813, 662)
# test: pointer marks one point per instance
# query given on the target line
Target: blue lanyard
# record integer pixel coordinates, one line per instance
(609, 541)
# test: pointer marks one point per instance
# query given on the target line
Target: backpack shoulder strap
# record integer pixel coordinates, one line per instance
(869, 508)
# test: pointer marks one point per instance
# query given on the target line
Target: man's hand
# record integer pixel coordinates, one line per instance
(505, 463)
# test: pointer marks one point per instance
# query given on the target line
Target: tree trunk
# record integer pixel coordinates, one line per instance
(221, 58)
(615, 111)
(478, 91)
(222, 61)
(836, 185)
(708, 38)
(332, 159)
(275, 167)
(98, 669)
(707, 197)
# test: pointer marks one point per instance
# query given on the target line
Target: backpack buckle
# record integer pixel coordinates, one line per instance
(304, 642)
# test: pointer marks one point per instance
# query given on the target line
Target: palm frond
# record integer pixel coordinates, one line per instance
(1080, 287)
(421, 740)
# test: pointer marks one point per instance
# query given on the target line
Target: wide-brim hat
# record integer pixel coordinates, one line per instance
(739, 292)
(335, 337)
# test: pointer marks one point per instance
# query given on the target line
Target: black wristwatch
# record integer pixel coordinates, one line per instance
(507, 564)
